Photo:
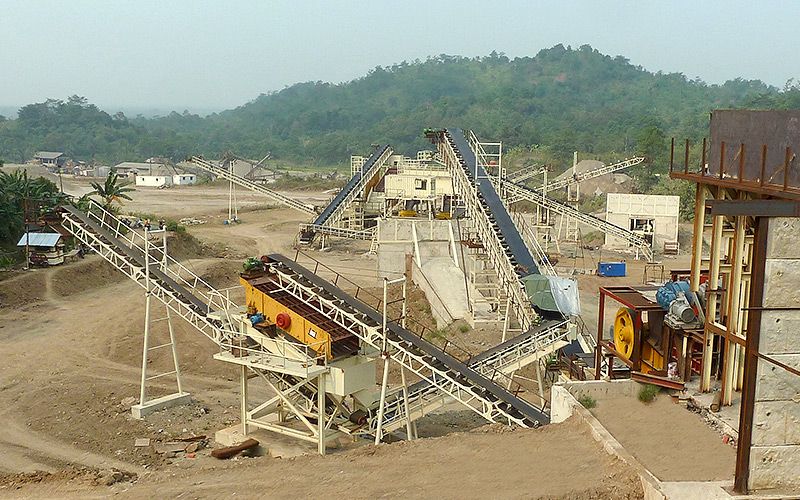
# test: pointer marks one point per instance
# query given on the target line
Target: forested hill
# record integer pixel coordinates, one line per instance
(562, 99)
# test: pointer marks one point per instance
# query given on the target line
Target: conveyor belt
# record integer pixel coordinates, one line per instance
(421, 391)
(323, 217)
(330, 215)
(501, 220)
(515, 405)
(558, 207)
(137, 256)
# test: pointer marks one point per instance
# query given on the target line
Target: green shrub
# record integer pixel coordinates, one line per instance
(463, 328)
(172, 225)
(587, 401)
(647, 393)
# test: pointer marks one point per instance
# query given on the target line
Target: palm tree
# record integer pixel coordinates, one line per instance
(112, 191)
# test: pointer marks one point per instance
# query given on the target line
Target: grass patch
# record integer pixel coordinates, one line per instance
(648, 392)
(587, 401)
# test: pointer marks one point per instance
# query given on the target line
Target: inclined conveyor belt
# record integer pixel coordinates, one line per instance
(423, 387)
(138, 257)
(522, 408)
(501, 221)
(323, 217)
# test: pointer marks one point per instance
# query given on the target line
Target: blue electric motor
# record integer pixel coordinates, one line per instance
(669, 292)
(256, 319)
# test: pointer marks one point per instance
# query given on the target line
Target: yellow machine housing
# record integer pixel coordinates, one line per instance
(632, 344)
(311, 334)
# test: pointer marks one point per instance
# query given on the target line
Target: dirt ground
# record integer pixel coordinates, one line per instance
(673, 443)
(478, 464)
(70, 338)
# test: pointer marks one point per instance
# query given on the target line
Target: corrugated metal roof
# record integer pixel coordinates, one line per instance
(40, 239)
(48, 155)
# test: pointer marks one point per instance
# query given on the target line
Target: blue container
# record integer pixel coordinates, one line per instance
(611, 269)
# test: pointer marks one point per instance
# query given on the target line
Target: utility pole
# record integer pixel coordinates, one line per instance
(27, 235)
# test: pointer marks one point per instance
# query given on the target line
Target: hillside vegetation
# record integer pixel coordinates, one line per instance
(561, 100)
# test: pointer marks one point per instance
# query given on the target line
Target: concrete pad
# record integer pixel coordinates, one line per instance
(269, 443)
(692, 490)
(140, 411)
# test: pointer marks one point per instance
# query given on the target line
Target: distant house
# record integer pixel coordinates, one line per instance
(50, 158)
(133, 168)
(184, 179)
(159, 180)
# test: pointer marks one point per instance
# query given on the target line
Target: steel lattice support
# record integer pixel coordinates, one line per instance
(370, 333)
(504, 269)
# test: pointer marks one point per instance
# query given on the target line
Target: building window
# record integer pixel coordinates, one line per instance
(420, 184)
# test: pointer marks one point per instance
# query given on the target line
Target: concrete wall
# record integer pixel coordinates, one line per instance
(621, 207)
(775, 450)
(563, 406)
(395, 242)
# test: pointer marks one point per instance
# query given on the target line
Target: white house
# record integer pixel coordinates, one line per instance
(654, 217)
(154, 180)
(184, 179)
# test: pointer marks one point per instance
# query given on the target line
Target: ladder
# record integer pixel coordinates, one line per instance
(220, 171)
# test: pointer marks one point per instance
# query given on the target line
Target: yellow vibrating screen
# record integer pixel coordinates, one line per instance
(292, 320)
(625, 340)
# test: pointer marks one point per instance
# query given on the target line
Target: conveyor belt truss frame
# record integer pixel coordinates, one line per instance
(226, 174)
(362, 327)
(506, 273)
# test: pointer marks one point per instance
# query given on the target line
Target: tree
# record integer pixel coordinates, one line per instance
(112, 190)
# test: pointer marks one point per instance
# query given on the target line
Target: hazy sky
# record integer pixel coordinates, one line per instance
(211, 55)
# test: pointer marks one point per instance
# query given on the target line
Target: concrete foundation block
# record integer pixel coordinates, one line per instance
(776, 423)
(775, 467)
(140, 411)
(781, 283)
(779, 332)
(773, 383)
(783, 239)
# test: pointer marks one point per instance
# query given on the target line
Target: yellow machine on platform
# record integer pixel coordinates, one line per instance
(316, 337)
(631, 342)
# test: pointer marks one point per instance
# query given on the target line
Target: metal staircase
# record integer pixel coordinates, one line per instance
(493, 225)
(224, 173)
(519, 192)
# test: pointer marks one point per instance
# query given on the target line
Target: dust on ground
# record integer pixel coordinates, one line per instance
(671, 442)
(557, 461)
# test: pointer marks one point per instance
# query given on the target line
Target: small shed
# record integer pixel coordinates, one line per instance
(653, 217)
(154, 180)
(184, 179)
(46, 249)
(50, 158)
